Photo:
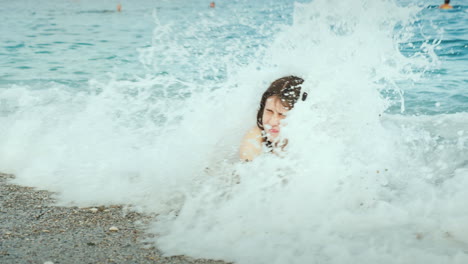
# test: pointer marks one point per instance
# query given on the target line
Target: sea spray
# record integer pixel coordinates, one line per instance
(347, 187)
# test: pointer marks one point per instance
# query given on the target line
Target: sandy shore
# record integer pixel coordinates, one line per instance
(33, 230)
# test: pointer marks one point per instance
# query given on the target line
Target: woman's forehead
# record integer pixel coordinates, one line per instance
(274, 103)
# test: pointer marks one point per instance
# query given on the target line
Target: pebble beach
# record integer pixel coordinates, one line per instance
(34, 230)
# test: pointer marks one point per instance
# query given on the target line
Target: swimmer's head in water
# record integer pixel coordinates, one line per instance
(447, 1)
(287, 90)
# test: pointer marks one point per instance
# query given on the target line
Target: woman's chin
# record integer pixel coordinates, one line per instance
(273, 138)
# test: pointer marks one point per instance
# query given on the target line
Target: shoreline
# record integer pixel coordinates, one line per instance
(34, 230)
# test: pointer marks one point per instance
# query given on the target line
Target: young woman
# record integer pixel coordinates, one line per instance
(276, 101)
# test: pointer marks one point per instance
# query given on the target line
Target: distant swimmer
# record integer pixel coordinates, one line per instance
(446, 5)
(212, 4)
(119, 7)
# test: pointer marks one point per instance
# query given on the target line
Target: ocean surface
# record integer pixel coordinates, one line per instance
(147, 106)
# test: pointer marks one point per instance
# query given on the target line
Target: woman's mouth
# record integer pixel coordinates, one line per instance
(273, 130)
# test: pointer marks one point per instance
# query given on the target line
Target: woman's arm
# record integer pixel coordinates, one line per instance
(251, 145)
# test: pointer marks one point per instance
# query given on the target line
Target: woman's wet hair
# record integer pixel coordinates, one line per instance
(287, 89)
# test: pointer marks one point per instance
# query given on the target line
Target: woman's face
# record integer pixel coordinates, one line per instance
(273, 113)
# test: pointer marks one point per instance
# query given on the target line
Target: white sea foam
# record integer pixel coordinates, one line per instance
(355, 184)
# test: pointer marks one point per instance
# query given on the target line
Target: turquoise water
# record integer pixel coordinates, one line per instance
(146, 107)
(446, 84)
(71, 42)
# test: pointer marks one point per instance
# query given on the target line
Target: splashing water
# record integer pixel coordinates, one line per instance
(355, 183)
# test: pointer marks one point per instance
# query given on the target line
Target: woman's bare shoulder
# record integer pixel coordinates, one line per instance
(255, 132)
(251, 145)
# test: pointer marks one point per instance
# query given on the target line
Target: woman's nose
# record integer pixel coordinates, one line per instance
(275, 120)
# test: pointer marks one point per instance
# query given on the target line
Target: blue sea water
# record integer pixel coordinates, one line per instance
(446, 84)
(147, 107)
(71, 42)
